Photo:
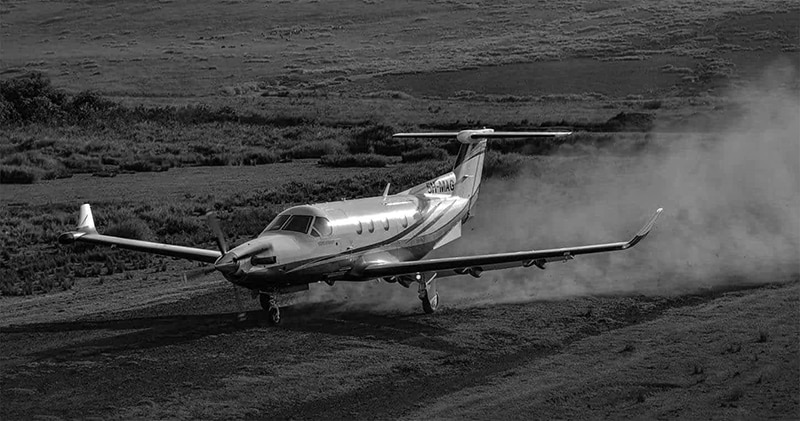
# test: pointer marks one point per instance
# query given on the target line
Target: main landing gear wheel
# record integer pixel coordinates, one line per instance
(429, 303)
(270, 305)
(428, 294)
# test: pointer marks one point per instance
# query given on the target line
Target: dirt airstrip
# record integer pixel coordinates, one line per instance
(724, 353)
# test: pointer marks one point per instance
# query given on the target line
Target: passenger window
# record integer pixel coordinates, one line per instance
(298, 223)
(386, 224)
(323, 226)
(359, 228)
(371, 226)
(404, 222)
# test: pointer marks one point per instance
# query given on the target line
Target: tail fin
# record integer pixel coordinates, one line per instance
(469, 164)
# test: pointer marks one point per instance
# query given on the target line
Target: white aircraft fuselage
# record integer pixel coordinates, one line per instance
(384, 237)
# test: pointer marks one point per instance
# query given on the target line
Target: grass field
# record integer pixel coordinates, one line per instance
(156, 112)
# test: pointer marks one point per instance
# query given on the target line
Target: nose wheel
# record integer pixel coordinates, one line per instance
(270, 305)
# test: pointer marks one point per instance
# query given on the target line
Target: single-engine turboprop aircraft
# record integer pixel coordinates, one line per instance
(384, 237)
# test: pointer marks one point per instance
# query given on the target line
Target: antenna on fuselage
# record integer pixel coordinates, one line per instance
(386, 191)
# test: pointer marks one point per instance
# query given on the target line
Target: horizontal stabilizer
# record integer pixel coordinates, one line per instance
(472, 136)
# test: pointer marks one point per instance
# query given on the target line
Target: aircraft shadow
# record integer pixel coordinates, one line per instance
(139, 333)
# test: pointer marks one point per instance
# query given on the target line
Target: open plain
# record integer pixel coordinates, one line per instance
(228, 105)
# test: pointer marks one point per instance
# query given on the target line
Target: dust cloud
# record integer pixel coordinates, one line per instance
(731, 200)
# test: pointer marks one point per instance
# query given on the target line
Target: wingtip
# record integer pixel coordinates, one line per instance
(649, 225)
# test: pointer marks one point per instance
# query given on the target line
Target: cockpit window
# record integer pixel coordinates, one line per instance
(322, 226)
(298, 223)
(277, 223)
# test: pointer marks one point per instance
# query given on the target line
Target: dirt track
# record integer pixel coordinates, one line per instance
(719, 354)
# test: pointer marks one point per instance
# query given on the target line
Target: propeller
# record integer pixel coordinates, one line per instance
(213, 224)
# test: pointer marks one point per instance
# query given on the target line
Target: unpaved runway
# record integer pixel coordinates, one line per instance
(729, 353)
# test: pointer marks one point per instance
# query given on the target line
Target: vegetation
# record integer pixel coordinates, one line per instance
(50, 133)
(356, 160)
(426, 153)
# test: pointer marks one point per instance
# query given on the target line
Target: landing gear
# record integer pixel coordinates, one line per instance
(427, 293)
(270, 305)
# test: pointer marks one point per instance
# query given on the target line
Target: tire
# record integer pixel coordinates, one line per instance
(274, 316)
(271, 308)
(430, 305)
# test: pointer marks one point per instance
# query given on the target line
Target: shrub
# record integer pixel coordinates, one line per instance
(83, 163)
(630, 122)
(18, 175)
(357, 160)
(10, 284)
(140, 166)
(429, 153)
(44, 167)
(260, 158)
(502, 165)
(365, 141)
(316, 149)
(652, 104)
(29, 98)
(133, 228)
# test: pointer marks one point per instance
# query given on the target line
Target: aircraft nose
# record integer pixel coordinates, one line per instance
(227, 264)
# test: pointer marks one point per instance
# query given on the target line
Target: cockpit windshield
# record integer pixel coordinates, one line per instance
(277, 223)
(300, 223)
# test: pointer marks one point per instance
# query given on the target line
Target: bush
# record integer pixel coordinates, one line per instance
(316, 149)
(630, 122)
(44, 167)
(30, 98)
(260, 158)
(652, 104)
(357, 160)
(428, 153)
(83, 163)
(18, 175)
(368, 140)
(502, 165)
(133, 228)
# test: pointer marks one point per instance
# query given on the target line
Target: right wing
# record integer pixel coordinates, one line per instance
(475, 265)
(86, 232)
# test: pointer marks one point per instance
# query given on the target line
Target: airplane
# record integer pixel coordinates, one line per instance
(384, 237)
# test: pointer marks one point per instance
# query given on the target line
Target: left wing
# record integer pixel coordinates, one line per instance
(86, 232)
(475, 265)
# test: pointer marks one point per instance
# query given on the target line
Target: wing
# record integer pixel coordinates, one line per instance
(475, 265)
(87, 233)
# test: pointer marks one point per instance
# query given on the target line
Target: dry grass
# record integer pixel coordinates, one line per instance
(197, 54)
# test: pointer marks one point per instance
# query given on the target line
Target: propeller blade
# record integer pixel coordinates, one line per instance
(213, 223)
(196, 273)
(242, 315)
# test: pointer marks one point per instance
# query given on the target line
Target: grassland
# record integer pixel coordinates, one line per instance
(156, 112)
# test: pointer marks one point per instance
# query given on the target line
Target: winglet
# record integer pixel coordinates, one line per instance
(645, 230)
(85, 226)
(85, 220)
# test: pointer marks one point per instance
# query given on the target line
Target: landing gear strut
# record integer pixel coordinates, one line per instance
(270, 305)
(427, 293)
